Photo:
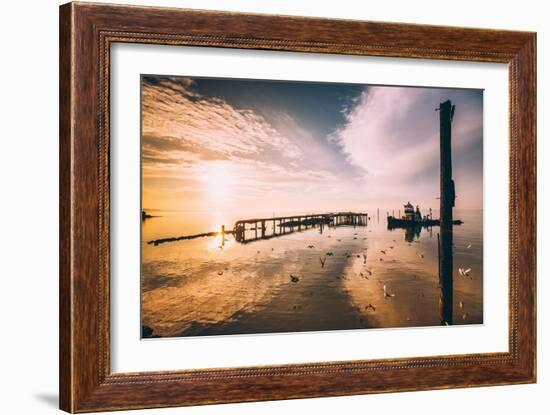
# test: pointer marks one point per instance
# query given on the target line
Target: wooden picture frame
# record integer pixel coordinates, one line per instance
(86, 33)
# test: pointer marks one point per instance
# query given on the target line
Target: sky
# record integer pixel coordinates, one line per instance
(254, 146)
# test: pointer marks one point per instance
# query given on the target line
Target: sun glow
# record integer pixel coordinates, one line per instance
(219, 182)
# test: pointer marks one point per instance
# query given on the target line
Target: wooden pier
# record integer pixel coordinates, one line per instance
(248, 230)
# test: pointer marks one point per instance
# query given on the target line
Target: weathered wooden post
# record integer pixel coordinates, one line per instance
(223, 235)
(263, 229)
(447, 202)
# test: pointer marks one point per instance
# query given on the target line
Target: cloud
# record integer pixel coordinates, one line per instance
(392, 135)
(186, 134)
(385, 152)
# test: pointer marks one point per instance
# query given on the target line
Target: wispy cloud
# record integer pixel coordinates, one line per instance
(185, 134)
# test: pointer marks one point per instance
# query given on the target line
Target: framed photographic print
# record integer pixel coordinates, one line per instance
(261, 207)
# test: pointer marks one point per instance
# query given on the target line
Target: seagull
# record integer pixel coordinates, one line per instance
(391, 247)
(420, 255)
(469, 246)
(294, 278)
(368, 271)
(364, 258)
(329, 254)
(464, 272)
(322, 260)
(311, 246)
(380, 259)
(220, 272)
(461, 305)
(386, 294)
(384, 252)
(370, 306)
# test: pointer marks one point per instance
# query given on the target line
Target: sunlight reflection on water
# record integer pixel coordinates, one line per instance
(199, 287)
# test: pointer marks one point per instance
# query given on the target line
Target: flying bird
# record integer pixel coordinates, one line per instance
(322, 260)
(294, 279)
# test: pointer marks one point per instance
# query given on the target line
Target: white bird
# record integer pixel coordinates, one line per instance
(469, 246)
(387, 294)
(464, 272)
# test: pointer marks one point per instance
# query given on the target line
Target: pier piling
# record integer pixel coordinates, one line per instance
(447, 202)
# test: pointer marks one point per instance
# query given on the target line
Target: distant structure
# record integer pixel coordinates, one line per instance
(411, 214)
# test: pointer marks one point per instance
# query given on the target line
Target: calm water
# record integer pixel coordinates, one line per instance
(194, 287)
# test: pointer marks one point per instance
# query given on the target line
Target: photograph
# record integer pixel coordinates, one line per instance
(273, 206)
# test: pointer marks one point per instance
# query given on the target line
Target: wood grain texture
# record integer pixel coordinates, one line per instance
(86, 33)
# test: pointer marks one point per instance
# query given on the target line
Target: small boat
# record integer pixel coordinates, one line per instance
(413, 218)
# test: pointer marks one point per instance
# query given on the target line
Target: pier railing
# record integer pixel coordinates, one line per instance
(248, 230)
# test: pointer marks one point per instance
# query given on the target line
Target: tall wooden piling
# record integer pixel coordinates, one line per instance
(447, 202)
